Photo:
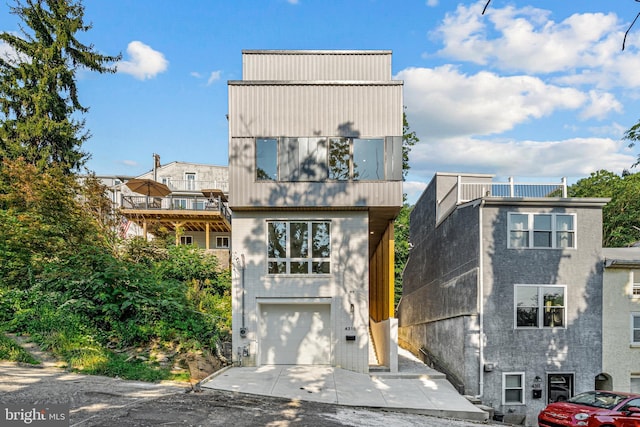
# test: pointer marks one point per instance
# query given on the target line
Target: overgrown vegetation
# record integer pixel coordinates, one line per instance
(621, 216)
(104, 306)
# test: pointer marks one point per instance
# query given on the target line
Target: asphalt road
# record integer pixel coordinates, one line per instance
(102, 401)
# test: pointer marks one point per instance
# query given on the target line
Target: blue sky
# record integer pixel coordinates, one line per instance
(536, 89)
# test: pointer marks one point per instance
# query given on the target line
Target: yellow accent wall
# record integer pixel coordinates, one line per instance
(381, 278)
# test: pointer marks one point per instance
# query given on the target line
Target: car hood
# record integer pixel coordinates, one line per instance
(565, 410)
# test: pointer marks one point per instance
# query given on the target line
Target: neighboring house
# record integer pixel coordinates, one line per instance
(196, 210)
(315, 168)
(621, 318)
(503, 290)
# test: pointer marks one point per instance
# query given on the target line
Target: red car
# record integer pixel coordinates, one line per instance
(593, 409)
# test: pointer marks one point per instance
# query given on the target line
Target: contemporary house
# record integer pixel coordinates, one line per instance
(621, 319)
(193, 206)
(315, 172)
(502, 290)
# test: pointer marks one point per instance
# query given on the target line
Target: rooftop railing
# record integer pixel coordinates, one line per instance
(463, 192)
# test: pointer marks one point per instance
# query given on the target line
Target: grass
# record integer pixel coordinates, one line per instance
(12, 352)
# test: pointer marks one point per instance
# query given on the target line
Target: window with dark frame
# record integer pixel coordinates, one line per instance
(298, 247)
(319, 159)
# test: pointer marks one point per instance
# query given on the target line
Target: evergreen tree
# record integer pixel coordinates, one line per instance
(38, 92)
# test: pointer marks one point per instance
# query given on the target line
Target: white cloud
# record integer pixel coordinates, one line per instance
(195, 74)
(132, 163)
(600, 105)
(585, 46)
(145, 63)
(432, 3)
(444, 102)
(213, 77)
(569, 157)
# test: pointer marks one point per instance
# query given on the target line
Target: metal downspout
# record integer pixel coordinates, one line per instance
(480, 306)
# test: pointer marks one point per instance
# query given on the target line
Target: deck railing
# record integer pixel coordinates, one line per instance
(191, 185)
(172, 202)
(463, 192)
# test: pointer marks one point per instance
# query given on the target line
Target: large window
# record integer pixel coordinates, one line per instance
(548, 230)
(299, 247)
(326, 158)
(513, 388)
(635, 328)
(539, 306)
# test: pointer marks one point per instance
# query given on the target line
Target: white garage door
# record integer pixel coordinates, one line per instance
(295, 334)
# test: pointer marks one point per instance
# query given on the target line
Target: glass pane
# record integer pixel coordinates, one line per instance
(289, 159)
(542, 222)
(553, 296)
(266, 159)
(299, 267)
(519, 239)
(635, 384)
(519, 221)
(339, 156)
(277, 267)
(564, 239)
(299, 240)
(321, 242)
(636, 322)
(368, 159)
(312, 159)
(277, 245)
(321, 268)
(554, 317)
(527, 296)
(636, 336)
(513, 396)
(564, 222)
(527, 317)
(541, 239)
(513, 381)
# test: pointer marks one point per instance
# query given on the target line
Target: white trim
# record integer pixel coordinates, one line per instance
(635, 283)
(634, 314)
(309, 259)
(540, 306)
(522, 388)
(530, 230)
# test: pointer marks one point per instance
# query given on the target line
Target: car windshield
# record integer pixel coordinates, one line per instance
(597, 399)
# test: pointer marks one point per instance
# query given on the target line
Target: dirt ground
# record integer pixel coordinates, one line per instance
(103, 401)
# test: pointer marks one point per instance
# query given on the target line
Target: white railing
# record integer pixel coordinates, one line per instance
(191, 185)
(463, 192)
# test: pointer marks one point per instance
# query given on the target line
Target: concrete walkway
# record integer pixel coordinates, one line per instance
(415, 388)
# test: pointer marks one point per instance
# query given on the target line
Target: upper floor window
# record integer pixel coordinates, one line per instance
(635, 283)
(321, 159)
(295, 247)
(542, 230)
(539, 306)
(635, 328)
(190, 181)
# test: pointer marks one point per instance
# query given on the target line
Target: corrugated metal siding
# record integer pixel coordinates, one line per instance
(316, 65)
(366, 110)
(245, 192)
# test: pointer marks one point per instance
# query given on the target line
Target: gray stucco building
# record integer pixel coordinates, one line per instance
(503, 290)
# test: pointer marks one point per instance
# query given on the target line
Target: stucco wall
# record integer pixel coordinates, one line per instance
(620, 358)
(538, 352)
(347, 284)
